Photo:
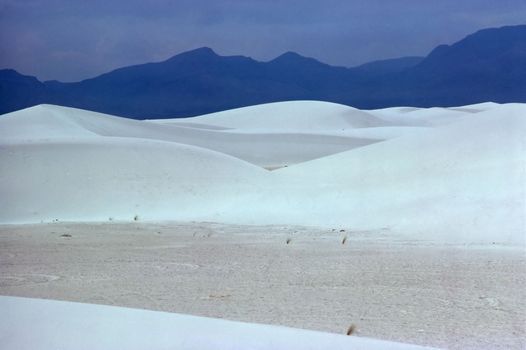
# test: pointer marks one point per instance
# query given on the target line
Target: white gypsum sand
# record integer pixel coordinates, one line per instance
(462, 180)
(85, 326)
(438, 181)
(450, 296)
(262, 147)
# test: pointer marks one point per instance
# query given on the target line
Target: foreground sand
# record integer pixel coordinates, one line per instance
(69, 325)
(452, 296)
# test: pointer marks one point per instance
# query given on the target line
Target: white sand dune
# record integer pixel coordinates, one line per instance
(421, 116)
(441, 174)
(455, 172)
(464, 181)
(266, 148)
(45, 324)
(299, 118)
(310, 116)
(42, 122)
(101, 178)
(436, 116)
(477, 107)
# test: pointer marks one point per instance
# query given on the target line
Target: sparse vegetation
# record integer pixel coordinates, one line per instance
(219, 296)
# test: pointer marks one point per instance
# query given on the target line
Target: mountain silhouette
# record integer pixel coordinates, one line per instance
(489, 65)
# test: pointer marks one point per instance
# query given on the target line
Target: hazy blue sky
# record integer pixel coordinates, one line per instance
(74, 39)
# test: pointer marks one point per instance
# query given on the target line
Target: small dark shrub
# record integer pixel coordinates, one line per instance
(351, 329)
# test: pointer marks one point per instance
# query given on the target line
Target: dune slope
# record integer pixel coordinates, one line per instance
(66, 325)
(263, 147)
(118, 178)
(289, 115)
(467, 177)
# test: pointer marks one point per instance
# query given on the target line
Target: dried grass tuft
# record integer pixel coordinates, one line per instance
(351, 329)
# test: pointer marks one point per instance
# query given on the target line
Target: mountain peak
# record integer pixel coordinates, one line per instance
(509, 31)
(290, 54)
(488, 49)
(202, 52)
(205, 50)
(294, 57)
(9, 72)
(12, 75)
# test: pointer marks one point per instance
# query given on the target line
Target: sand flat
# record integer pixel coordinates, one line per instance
(454, 296)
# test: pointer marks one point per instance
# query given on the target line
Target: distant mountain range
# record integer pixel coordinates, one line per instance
(489, 65)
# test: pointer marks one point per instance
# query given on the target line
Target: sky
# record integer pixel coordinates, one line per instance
(71, 40)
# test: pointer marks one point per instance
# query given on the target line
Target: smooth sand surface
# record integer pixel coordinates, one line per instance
(262, 147)
(88, 326)
(453, 296)
(311, 116)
